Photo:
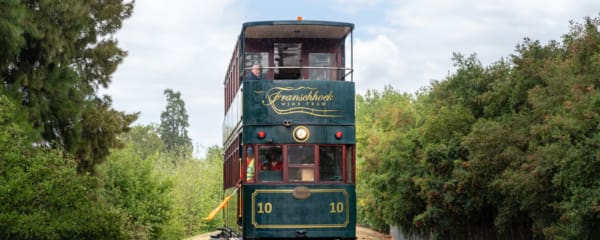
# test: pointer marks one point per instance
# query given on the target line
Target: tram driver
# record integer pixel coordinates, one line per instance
(273, 161)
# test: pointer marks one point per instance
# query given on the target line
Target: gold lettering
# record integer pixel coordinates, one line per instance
(300, 96)
(336, 207)
(268, 207)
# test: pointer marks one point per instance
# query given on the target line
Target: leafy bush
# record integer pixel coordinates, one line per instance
(135, 187)
(163, 195)
(507, 151)
(41, 194)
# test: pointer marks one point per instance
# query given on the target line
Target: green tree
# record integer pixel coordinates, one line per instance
(41, 194)
(12, 14)
(507, 151)
(562, 154)
(142, 193)
(384, 122)
(198, 190)
(144, 141)
(161, 199)
(173, 125)
(55, 56)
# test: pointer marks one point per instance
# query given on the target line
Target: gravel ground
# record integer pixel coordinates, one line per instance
(363, 233)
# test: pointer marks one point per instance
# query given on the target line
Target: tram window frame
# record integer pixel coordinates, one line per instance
(301, 164)
(323, 70)
(307, 169)
(245, 164)
(290, 53)
(337, 167)
(264, 155)
(350, 163)
(258, 57)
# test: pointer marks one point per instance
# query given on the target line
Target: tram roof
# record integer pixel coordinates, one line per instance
(296, 29)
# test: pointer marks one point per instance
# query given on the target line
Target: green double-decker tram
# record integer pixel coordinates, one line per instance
(289, 132)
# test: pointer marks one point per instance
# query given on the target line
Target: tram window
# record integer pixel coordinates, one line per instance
(302, 174)
(324, 64)
(271, 161)
(261, 58)
(331, 163)
(349, 162)
(287, 60)
(301, 163)
(301, 154)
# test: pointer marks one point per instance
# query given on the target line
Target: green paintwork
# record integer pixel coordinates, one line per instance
(270, 102)
(324, 107)
(281, 134)
(273, 211)
(278, 107)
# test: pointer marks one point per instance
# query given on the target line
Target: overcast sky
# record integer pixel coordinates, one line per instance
(186, 45)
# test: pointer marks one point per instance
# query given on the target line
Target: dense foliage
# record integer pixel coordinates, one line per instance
(55, 56)
(136, 194)
(62, 175)
(505, 151)
(41, 194)
(54, 128)
(198, 190)
(161, 200)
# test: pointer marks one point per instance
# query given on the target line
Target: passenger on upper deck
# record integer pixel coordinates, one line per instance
(254, 74)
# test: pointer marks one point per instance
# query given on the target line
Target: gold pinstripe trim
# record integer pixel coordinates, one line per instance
(290, 191)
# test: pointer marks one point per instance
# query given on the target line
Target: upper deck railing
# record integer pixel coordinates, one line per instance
(317, 73)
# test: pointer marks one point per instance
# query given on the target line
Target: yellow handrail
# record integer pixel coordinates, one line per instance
(223, 204)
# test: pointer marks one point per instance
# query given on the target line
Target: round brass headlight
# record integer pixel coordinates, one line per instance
(301, 134)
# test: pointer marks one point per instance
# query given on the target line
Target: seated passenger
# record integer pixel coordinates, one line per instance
(274, 162)
(254, 74)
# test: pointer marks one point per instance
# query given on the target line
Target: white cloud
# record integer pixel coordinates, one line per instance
(377, 61)
(186, 45)
(416, 44)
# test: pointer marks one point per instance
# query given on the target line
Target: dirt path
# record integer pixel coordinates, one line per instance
(362, 233)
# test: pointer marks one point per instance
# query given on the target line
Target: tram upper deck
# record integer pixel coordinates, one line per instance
(291, 50)
(288, 50)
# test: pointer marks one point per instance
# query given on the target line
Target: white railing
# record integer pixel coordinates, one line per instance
(272, 72)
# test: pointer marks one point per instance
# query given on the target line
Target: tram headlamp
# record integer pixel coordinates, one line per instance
(301, 134)
(339, 134)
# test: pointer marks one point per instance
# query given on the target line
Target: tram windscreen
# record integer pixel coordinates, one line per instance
(287, 60)
(301, 161)
(330, 163)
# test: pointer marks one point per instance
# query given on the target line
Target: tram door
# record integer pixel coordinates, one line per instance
(287, 60)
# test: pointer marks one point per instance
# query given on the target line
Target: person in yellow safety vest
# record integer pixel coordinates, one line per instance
(249, 164)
